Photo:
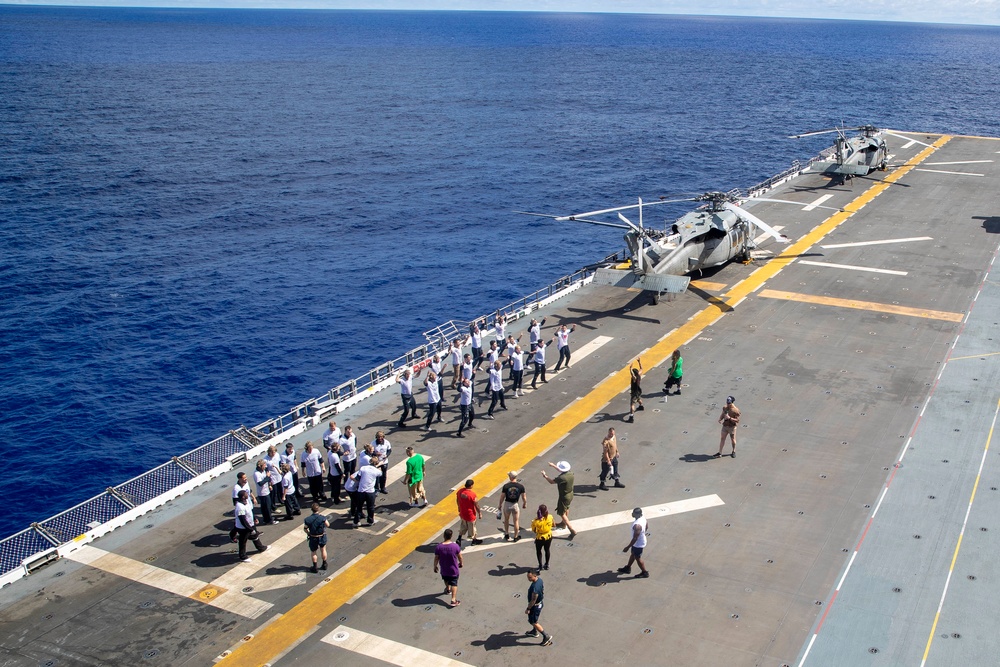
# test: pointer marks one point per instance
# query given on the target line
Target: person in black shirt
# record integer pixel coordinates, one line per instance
(315, 527)
(512, 494)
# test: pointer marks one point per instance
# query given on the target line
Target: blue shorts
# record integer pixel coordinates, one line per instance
(535, 612)
(316, 542)
(637, 552)
(450, 581)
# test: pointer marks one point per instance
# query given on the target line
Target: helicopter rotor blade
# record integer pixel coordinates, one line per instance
(812, 134)
(631, 224)
(757, 222)
(620, 208)
(899, 136)
(796, 203)
(575, 219)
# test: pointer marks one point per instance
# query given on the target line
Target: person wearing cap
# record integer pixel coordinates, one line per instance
(513, 493)
(468, 512)
(564, 482)
(637, 544)
(730, 419)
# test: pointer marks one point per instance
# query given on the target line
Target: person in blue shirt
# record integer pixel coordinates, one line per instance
(536, 592)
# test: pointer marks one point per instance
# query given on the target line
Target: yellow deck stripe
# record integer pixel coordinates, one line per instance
(273, 639)
(863, 305)
(961, 534)
(708, 285)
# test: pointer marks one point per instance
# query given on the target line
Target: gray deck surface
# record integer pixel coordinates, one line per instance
(830, 395)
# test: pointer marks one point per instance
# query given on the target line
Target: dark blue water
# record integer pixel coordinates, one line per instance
(207, 216)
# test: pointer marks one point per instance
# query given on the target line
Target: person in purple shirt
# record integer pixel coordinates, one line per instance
(448, 559)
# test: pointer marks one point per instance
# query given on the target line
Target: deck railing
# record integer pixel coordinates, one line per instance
(44, 541)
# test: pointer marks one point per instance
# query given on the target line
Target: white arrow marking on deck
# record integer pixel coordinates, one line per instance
(954, 173)
(816, 203)
(386, 650)
(861, 243)
(618, 518)
(852, 267)
(763, 237)
(585, 351)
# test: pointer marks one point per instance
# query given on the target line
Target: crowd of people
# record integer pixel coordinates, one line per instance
(361, 474)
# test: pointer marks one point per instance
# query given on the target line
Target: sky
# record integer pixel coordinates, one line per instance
(982, 12)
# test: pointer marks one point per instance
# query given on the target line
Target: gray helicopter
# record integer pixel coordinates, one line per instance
(859, 155)
(715, 233)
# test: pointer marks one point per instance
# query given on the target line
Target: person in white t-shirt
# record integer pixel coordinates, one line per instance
(476, 335)
(517, 370)
(334, 474)
(535, 333)
(348, 450)
(331, 438)
(382, 449)
(288, 485)
(465, 404)
(539, 359)
(273, 461)
(491, 358)
(245, 526)
(496, 389)
(405, 380)
(262, 480)
(366, 477)
(289, 459)
(637, 544)
(433, 399)
(455, 357)
(242, 484)
(562, 342)
(313, 469)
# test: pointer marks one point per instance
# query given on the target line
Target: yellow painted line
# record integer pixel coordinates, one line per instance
(974, 356)
(961, 534)
(863, 305)
(708, 285)
(311, 611)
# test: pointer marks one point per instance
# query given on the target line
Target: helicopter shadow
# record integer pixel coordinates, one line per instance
(991, 224)
(585, 316)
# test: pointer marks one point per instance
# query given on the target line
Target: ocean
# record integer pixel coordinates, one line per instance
(208, 216)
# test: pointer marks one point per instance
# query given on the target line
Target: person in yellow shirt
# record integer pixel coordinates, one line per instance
(542, 527)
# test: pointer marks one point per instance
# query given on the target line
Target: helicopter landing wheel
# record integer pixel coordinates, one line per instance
(656, 298)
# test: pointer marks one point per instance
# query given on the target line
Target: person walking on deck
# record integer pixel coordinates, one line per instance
(564, 482)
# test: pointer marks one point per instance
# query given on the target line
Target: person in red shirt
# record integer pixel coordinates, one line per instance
(468, 512)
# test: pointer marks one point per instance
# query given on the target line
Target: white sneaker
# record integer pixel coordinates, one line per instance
(245, 560)
(424, 503)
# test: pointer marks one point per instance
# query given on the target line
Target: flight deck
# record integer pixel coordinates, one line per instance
(855, 526)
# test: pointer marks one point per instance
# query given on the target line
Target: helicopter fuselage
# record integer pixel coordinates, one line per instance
(698, 240)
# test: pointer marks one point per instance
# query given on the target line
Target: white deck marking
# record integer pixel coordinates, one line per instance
(852, 267)
(386, 650)
(137, 571)
(882, 242)
(585, 351)
(374, 583)
(910, 143)
(230, 599)
(953, 173)
(816, 203)
(941, 164)
(763, 237)
(616, 519)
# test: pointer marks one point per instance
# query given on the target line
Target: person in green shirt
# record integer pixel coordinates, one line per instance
(564, 482)
(415, 478)
(676, 373)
